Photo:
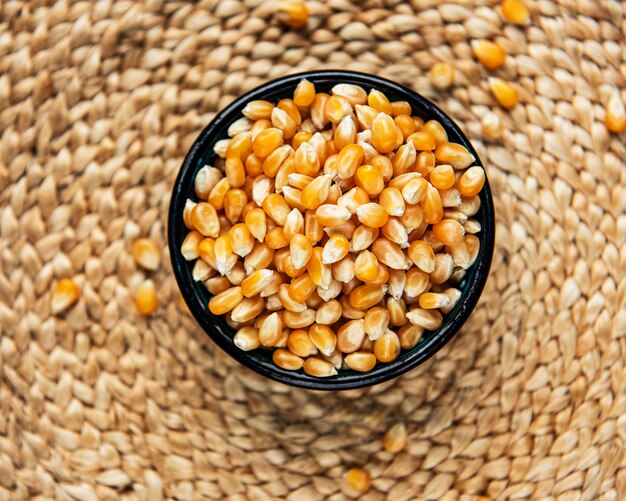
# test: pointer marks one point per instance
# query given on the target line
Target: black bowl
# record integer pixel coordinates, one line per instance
(197, 297)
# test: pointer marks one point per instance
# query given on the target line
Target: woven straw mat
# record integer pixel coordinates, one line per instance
(99, 102)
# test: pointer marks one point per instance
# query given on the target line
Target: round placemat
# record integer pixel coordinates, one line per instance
(99, 102)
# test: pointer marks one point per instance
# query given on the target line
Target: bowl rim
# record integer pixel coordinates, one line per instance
(218, 330)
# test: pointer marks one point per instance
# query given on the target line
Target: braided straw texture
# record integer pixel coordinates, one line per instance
(99, 102)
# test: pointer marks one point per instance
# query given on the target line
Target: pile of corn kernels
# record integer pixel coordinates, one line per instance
(333, 228)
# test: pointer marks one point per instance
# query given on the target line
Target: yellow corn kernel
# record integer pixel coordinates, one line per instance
(406, 125)
(300, 247)
(189, 205)
(359, 480)
(345, 134)
(430, 239)
(366, 266)
(257, 224)
(299, 138)
(389, 254)
(253, 165)
(218, 193)
(384, 135)
(294, 224)
(441, 75)
(256, 282)
(337, 107)
(361, 361)
(239, 147)
(202, 271)
(473, 245)
(306, 160)
(316, 192)
(312, 227)
(65, 294)
(415, 190)
(471, 181)
(290, 270)
(490, 54)
(225, 258)
(324, 339)
(343, 270)
(425, 163)
(267, 141)
(433, 210)
(332, 215)
(442, 177)
(349, 311)
(299, 181)
(317, 111)
(454, 154)
(395, 438)
(335, 249)
(299, 343)
(412, 218)
(287, 360)
(422, 141)
(366, 296)
(248, 309)
(350, 336)
(257, 110)
(448, 232)
(409, 336)
(293, 13)
(372, 214)
(348, 160)
(460, 255)
(146, 253)
(225, 301)
(317, 367)
(260, 257)
(204, 219)
(615, 117)
(234, 202)
(314, 301)
(242, 241)
(363, 237)
(283, 121)
(429, 320)
(515, 11)
(395, 231)
(276, 208)
(437, 132)
(328, 312)
(353, 199)
(504, 92)
(216, 285)
(354, 94)
(348, 287)
(270, 330)
(206, 252)
(453, 295)
(391, 200)
(247, 338)
(205, 180)
(387, 347)
(422, 255)
(287, 301)
(276, 159)
(376, 322)
(370, 179)
(400, 108)
(365, 115)
(279, 257)
(396, 283)
(304, 93)
(381, 277)
(379, 102)
(444, 265)
(320, 273)
(433, 300)
(299, 320)
(397, 312)
(402, 179)
(146, 300)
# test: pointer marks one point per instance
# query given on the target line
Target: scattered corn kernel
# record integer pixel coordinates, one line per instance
(146, 298)
(504, 92)
(615, 118)
(441, 75)
(359, 480)
(490, 54)
(293, 13)
(395, 439)
(64, 295)
(515, 11)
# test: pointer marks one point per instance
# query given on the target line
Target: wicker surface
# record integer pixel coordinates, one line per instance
(99, 101)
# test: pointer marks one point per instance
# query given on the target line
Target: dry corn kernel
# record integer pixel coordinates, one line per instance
(316, 192)
(239, 146)
(312, 227)
(416, 283)
(299, 181)
(146, 300)
(260, 257)
(317, 110)
(304, 93)
(359, 480)
(234, 202)
(448, 232)
(287, 301)
(426, 319)
(396, 283)
(433, 300)
(415, 190)
(293, 13)
(405, 124)
(372, 215)
(365, 116)
(324, 339)
(346, 229)
(294, 224)
(343, 270)
(259, 126)
(215, 285)
(454, 154)
(337, 107)
(370, 179)
(290, 107)
(287, 360)
(317, 367)
(345, 134)
(350, 336)
(257, 224)
(384, 135)
(348, 160)
(205, 180)
(328, 313)
(397, 312)
(441, 75)
(395, 231)
(247, 338)
(267, 141)
(256, 282)
(290, 270)
(433, 209)
(276, 207)
(395, 438)
(436, 130)
(225, 301)
(241, 239)
(299, 343)
(270, 330)
(366, 266)
(319, 271)
(206, 251)
(253, 165)
(335, 249)
(217, 194)
(257, 110)
(382, 276)
(65, 294)
(349, 311)
(301, 288)
(615, 117)
(422, 255)
(306, 160)
(221, 147)
(442, 177)
(204, 219)
(389, 254)
(515, 11)
(504, 92)
(361, 361)
(409, 336)
(391, 200)
(277, 159)
(301, 250)
(366, 296)
(387, 347)
(471, 182)
(379, 102)
(422, 141)
(353, 93)
(225, 258)
(490, 54)
(376, 322)
(248, 309)
(401, 108)
(146, 253)
(332, 215)
(283, 121)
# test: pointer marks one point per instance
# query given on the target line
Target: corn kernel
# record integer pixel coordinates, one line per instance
(332, 215)
(304, 93)
(490, 54)
(615, 118)
(504, 92)
(146, 253)
(441, 75)
(335, 249)
(328, 312)
(361, 361)
(293, 13)
(271, 330)
(359, 480)
(65, 294)
(395, 438)
(515, 11)
(319, 368)
(389, 254)
(247, 338)
(387, 347)
(384, 135)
